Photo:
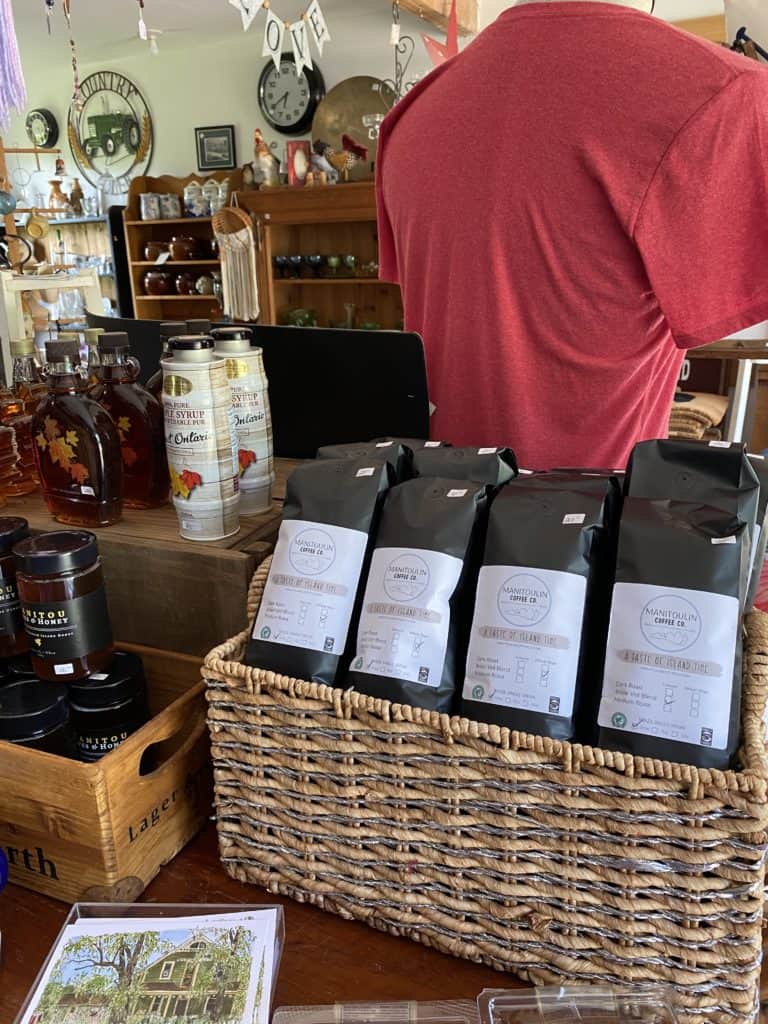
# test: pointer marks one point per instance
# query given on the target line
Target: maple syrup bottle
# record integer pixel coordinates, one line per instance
(138, 416)
(17, 405)
(168, 329)
(77, 446)
(92, 336)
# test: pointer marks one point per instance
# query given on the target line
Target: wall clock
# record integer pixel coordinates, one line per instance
(288, 99)
(111, 135)
(42, 128)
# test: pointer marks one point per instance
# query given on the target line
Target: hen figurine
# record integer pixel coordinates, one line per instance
(265, 164)
(351, 154)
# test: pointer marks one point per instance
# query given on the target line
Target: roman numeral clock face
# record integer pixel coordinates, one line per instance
(289, 99)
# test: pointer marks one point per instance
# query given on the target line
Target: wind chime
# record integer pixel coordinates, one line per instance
(13, 92)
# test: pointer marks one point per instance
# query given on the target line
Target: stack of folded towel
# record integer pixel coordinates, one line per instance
(698, 416)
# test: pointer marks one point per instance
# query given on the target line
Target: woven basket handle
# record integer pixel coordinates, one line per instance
(256, 589)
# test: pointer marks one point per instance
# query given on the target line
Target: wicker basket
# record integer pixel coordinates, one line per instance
(552, 860)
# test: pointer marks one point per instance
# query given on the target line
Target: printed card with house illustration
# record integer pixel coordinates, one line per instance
(217, 968)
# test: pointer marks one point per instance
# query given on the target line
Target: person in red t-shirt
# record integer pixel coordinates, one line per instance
(568, 205)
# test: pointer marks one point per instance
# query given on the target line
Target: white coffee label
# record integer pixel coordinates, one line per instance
(574, 519)
(432, 444)
(457, 493)
(311, 589)
(731, 540)
(88, 490)
(365, 471)
(64, 670)
(525, 639)
(384, 444)
(403, 630)
(487, 451)
(669, 664)
(719, 444)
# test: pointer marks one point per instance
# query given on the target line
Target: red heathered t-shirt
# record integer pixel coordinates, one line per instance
(570, 203)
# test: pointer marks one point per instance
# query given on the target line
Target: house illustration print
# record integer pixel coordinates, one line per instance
(200, 976)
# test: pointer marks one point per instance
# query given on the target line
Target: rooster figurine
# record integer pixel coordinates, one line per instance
(342, 162)
(265, 164)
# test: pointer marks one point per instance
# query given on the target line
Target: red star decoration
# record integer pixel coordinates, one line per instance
(441, 52)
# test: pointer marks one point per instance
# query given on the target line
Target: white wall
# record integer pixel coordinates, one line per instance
(213, 84)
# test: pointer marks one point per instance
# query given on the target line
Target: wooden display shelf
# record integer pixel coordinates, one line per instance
(314, 281)
(168, 592)
(175, 298)
(170, 220)
(138, 232)
(336, 219)
(176, 263)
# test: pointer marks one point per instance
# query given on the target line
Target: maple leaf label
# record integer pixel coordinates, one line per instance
(182, 484)
(61, 449)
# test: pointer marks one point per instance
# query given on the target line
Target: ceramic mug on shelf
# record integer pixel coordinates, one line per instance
(204, 285)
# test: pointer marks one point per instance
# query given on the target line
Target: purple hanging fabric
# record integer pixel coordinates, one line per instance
(13, 92)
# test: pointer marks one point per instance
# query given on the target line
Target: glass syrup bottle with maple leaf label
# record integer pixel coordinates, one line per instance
(77, 446)
(138, 416)
(17, 404)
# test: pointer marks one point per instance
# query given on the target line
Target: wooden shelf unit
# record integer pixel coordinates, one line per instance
(138, 232)
(337, 219)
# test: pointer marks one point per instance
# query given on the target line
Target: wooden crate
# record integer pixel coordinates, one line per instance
(102, 831)
(170, 593)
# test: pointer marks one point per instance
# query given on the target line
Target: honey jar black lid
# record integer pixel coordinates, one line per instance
(60, 551)
(29, 707)
(123, 680)
(12, 530)
(190, 342)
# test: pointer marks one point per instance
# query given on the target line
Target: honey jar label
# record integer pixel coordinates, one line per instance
(62, 631)
(11, 622)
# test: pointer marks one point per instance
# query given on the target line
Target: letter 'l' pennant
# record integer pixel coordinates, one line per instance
(439, 53)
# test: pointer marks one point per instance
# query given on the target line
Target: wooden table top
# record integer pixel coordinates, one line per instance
(325, 959)
(162, 524)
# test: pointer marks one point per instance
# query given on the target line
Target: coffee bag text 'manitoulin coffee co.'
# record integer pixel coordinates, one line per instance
(412, 631)
(540, 617)
(672, 681)
(331, 511)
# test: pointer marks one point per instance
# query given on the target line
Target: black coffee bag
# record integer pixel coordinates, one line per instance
(331, 512)
(399, 457)
(712, 473)
(760, 465)
(411, 638)
(414, 443)
(538, 614)
(672, 680)
(491, 466)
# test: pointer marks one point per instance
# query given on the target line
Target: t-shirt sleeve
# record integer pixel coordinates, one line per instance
(388, 268)
(702, 229)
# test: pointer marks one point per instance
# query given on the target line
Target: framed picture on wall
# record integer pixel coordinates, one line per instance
(216, 148)
(298, 158)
